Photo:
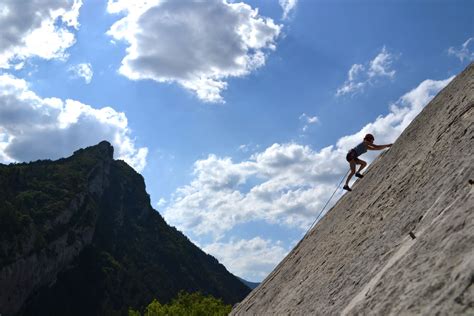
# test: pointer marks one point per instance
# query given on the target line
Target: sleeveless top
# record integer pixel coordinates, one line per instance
(360, 149)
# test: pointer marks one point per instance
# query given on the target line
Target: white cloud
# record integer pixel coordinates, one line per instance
(287, 6)
(387, 128)
(257, 256)
(313, 120)
(361, 76)
(244, 148)
(178, 41)
(307, 121)
(286, 184)
(36, 28)
(380, 65)
(247, 148)
(83, 70)
(162, 202)
(464, 52)
(33, 128)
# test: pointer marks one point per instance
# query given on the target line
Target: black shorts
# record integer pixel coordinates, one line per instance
(351, 155)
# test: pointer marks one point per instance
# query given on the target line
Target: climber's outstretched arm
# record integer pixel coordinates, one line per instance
(377, 147)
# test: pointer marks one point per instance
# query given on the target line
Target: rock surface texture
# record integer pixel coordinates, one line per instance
(402, 242)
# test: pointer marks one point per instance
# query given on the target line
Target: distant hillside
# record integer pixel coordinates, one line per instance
(251, 285)
(402, 242)
(78, 237)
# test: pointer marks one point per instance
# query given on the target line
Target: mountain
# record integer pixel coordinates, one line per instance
(402, 242)
(251, 285)
(78, 237)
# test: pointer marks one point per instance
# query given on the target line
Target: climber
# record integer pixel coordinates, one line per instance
(367, 144)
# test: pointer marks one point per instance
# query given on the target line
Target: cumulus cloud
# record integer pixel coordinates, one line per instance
(197, 44)
(292, 180)
(36, 28)
(363, 75)
(83, 70)
(257, 256)
(287, 6)
(34, 128)
(285, 184)
(465, 52)
(388, 128)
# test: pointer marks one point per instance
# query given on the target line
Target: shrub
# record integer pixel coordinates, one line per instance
(186, 304)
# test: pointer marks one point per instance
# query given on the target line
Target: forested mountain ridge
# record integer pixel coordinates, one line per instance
(79, 236)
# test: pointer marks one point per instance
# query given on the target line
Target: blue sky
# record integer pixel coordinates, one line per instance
(237, 114)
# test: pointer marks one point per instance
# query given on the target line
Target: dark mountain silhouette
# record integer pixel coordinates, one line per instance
(78, 237)
(402, 242)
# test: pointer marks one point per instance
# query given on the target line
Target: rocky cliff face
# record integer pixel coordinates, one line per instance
(402, 242)
(79, 237)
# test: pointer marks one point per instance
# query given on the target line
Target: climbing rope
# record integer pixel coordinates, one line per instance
(321, 212)
(383, 153)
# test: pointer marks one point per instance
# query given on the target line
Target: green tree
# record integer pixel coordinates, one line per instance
(186, 304)
(155, 309)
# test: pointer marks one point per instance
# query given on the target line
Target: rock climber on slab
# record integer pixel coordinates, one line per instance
(367, 144)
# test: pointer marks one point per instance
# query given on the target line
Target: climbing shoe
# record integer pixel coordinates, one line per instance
(346, 187)
(358, 175)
